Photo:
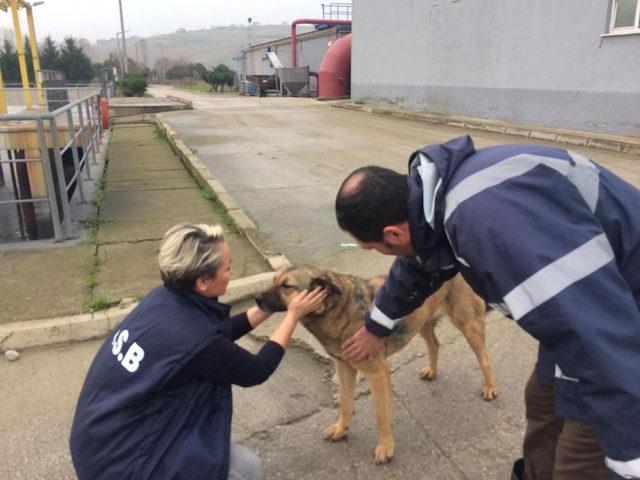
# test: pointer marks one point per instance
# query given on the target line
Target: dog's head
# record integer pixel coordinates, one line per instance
(288, 283)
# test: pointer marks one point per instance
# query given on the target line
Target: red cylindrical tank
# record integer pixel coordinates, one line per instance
(334, 75)
(104, 112)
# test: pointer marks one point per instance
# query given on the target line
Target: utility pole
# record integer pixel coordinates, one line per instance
(124, 41)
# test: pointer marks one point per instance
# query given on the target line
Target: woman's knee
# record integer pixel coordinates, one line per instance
(244, 464)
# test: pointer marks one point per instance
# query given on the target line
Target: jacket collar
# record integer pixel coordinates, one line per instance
(211, 306)
(430, 169)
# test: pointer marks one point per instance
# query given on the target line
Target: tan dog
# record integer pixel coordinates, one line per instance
(342, 314)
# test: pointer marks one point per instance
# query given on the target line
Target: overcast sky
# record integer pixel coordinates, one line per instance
(96, 19)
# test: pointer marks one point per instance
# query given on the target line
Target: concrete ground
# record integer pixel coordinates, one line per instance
(147, 191)
(282, 159)
(443, 429)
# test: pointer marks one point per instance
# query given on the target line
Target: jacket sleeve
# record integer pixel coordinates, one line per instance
(539, 245)
(404, 290)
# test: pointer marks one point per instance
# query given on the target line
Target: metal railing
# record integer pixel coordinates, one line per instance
(15, 102)
(84, 136)
(336, 11)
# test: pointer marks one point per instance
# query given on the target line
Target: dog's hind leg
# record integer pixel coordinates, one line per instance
(380, 384)
(346, 386)
(428, 332)
(472, 327)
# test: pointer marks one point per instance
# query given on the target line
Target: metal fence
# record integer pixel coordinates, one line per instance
(81, 120)
(14, 95)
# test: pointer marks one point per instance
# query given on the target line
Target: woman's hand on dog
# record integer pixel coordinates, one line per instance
(306, 302)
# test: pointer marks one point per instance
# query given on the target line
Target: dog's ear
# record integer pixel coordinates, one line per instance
(329, 286)
(325, 283)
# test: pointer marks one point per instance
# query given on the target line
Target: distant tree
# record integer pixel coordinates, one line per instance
(224, 75)
(134, 67)
(75, 64)
(133, 85)
(49, 55)
(108, 64)
(181, 71)
(29, 59)
(9, 62)
(220, 76)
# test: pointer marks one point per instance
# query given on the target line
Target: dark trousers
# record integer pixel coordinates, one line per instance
(557, 449)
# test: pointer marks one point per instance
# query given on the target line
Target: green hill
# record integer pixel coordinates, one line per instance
(207, 46)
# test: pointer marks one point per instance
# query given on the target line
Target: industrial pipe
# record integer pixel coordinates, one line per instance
(308, 21)
(335, 70)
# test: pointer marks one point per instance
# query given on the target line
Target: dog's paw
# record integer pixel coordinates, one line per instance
(384, 452)
(427, 373)
(335, 433)
(489, 393)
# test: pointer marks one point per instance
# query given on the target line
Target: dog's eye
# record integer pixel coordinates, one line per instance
(285, 285)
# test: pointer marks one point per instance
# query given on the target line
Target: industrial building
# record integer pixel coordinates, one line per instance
(569, 64)
(277, 59)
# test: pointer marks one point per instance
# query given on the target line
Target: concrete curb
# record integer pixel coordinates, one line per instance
(38, 333)
(88, 326)
(206, 180)
(600, 141)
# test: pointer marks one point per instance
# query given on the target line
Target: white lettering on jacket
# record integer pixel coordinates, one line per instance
(130, 360)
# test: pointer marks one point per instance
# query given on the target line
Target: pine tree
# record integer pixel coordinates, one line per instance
(49, 55)
(75, 64)
(9, 62)
(29, 60)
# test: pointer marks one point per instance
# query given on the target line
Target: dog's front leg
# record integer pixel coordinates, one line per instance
(346, 386)
(380, 384)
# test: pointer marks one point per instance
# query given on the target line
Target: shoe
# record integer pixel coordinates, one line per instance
(518, 470)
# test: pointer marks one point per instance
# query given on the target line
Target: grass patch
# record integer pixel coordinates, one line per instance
(91, 271)
(99, 301)
(203, 87)
(161, 134)
(140, 296)
(94, 224)
(208, 194)
(196, 87)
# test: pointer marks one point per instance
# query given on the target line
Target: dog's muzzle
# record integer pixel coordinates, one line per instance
(268, 304)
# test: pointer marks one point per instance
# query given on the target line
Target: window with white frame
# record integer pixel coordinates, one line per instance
(624, 16)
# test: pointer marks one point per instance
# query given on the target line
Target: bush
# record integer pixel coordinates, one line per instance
(133, 85)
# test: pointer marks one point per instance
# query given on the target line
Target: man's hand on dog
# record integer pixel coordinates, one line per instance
(363, 344)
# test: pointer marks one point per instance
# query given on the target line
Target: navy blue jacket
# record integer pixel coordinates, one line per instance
(128, 424)
(553, 241)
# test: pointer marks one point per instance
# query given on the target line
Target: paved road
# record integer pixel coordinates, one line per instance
(283, 160)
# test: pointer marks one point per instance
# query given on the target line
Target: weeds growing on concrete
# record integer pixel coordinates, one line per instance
(91, 271)
(102, 182)
(161, 134)
(94, 224)
(99, 301)
(211, 196)
(193, 150)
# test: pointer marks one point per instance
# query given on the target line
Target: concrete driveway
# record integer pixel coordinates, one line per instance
(283, 160)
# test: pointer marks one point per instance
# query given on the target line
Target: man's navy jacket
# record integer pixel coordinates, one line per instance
(553, 241)
(128, 424)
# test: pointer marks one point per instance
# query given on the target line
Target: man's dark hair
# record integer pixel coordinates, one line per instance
(370, 199)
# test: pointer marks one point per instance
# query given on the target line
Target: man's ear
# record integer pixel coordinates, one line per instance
(396, 234)
(325, 283)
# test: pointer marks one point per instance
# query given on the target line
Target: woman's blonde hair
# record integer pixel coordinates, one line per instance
(189, 252)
